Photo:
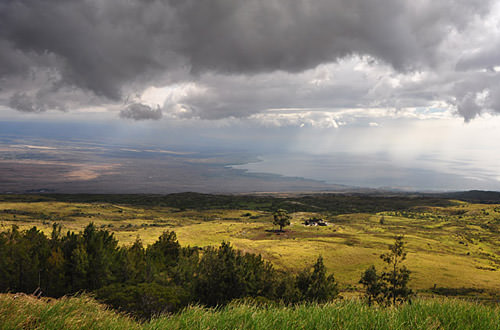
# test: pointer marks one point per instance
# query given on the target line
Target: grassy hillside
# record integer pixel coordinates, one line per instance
(451, 244)
(25, 312)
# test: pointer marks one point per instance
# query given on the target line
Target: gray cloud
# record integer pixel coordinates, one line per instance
(138, 111)
(47, 97)
(239, 96)
(352, 83)
(478, 88)
(486, 58)
(25, 103)
(250, 36)
(478, 93)
(112, 48)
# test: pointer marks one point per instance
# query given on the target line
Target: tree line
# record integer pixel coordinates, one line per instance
(165, 277)
(145, 281)
(334, 204)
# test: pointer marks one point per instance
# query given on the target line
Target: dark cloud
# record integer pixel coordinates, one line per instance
(116, 47)
(250, 36)
(97, 50)
(138, 111)
(46, 98)
(25, 103)
(477, 93)
(478, 89)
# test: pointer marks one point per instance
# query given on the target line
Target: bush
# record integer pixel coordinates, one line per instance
(144, 300)
(315, 285)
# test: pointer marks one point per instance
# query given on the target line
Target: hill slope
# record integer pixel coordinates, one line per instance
(451, 244)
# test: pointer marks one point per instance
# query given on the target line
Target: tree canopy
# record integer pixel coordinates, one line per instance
(145, 281)
(281, 218)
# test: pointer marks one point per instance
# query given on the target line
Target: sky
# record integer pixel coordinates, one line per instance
(414, 82)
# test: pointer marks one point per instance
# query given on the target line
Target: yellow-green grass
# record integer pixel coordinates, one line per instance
(25, 312)
(350, 314)
(456, 246)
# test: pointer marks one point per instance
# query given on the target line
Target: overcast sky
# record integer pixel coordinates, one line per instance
(407, 78)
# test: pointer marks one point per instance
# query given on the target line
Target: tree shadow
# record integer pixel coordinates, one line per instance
(276, 231)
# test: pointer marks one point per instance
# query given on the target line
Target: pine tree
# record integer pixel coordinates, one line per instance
(396, 276)
(315, 285)
(391, 286)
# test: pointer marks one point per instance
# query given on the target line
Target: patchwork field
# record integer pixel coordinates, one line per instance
(453, 246)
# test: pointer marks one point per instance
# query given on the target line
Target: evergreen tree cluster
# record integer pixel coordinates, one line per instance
(146, 281)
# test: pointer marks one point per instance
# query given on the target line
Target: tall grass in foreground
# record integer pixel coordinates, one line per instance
(26, 312)
(422, 314)
(84, 313)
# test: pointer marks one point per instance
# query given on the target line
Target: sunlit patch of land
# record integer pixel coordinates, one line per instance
(452, 246)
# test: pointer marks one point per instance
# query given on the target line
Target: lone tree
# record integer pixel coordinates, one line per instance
(391, 286)
(281, 218)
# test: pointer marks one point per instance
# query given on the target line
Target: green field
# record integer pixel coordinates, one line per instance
(453, 246)
(26, 312)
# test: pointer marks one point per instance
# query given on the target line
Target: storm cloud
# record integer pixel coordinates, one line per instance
(111, 49)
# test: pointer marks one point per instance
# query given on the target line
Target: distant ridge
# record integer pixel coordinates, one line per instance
(475, 196)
